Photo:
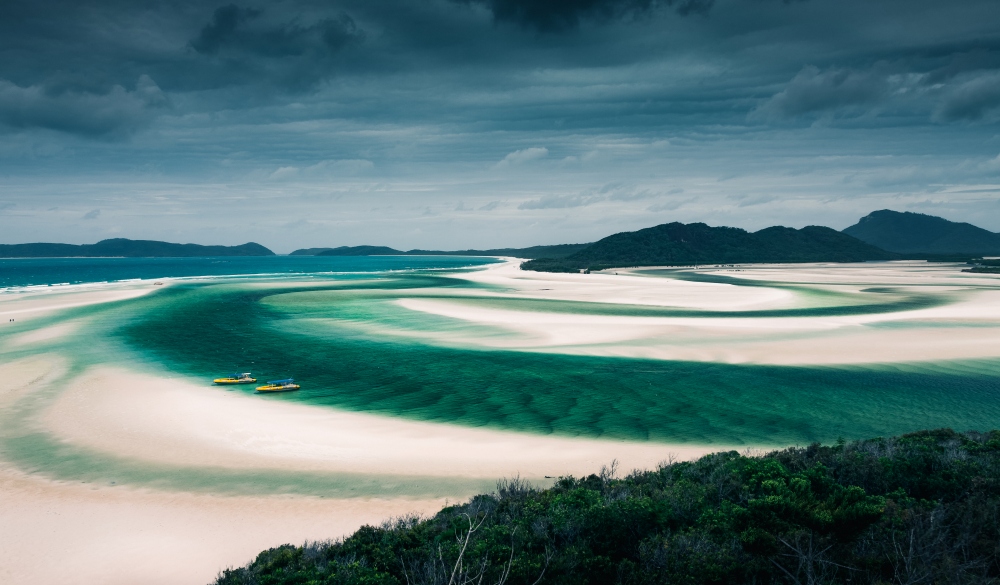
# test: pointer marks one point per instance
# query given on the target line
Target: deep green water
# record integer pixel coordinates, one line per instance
(330, 339)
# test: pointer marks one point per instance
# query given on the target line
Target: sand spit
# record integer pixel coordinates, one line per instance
(176, 422)
(966, 326)
(625, 288)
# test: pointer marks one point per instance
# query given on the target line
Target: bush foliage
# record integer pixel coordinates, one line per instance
(920, 508)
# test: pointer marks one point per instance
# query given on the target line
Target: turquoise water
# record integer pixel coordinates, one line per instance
(328, 339)
(48, 271)
(339, 332)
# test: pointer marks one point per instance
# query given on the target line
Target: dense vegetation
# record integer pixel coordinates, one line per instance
(122, 247)
(678, 244)
(923, 234)
(984, 266)
(921, 508)
(556, 251)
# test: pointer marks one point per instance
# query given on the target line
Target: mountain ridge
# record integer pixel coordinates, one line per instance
(917, 233)
(124, 247)
(679, 244)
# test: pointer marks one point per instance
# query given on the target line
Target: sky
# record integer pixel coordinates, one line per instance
(453, 124)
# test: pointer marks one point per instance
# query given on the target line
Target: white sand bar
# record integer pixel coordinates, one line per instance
(172, 421)
(965, 324)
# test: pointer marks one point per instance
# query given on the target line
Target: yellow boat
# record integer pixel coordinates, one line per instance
(244, 378)
(279, 386)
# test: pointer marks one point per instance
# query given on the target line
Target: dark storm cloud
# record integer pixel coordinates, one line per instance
(556, 15)
(588, 110)
(241, 30)
(117, 111)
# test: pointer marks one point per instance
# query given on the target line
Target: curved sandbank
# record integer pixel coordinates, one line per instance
(966, 325)
(176, 422)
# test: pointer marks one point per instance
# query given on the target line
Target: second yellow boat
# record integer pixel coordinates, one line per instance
(279, 386)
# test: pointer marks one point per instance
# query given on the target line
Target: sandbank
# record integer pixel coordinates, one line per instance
(177, 422)
(964, 326)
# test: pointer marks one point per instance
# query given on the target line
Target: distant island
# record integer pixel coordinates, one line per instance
(125, 248)
(556, 251)
(916, 233)
(881, 235)
(678, 244)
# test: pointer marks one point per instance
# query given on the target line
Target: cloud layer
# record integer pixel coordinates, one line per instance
(490, 123)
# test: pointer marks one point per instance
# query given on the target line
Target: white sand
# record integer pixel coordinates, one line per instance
(626, 288)
(47, 334)
(21, 377)
(967, 328)
(176, 422)
(56, 533)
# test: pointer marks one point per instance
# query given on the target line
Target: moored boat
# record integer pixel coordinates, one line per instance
(279, 386)
(244, 378)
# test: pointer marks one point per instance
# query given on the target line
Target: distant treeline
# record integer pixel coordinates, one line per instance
(921, 508)
(678, 244)
(122, 247)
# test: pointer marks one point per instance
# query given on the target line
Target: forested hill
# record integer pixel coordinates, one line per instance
(121, 247)
(356, 251)
(678, 244)
(916, 233)
(921, 508)
(554, 251)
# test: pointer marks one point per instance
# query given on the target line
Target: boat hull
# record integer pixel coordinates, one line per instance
(232, 381)
(287, 388)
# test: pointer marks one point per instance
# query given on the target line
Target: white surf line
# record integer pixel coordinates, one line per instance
(31, 303)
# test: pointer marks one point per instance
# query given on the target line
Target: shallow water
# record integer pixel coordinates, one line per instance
(332, 341)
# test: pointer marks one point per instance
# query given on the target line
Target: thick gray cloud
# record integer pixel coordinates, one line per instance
(490, 123)
(973, 99)
(241, 30)
(812, 91)
(117, 111)
(558, 15)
